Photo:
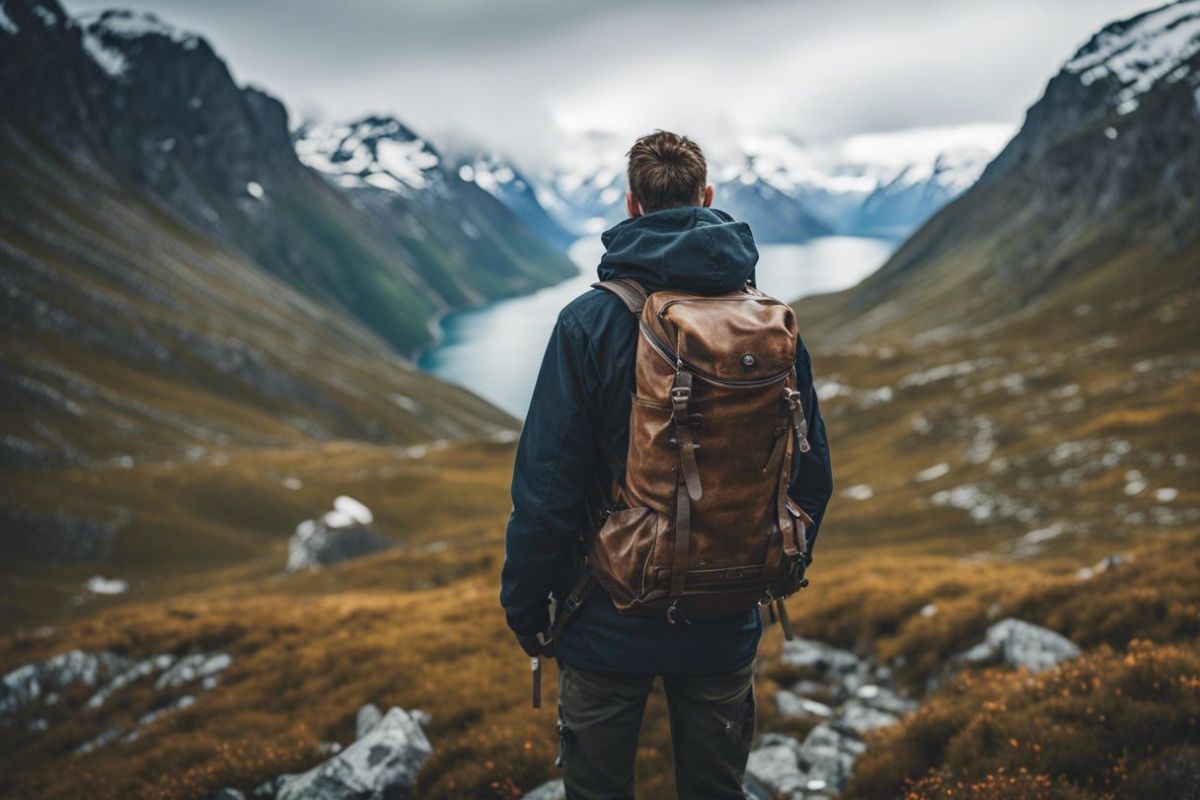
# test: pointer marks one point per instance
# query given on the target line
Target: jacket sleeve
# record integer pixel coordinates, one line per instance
(812, 472)
(555, 463)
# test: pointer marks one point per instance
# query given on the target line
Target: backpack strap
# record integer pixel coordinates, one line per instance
(631, 293)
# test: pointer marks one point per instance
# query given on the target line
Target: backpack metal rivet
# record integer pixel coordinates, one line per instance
(749, 360)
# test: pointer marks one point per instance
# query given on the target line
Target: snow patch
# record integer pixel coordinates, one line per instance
(100, 585)
(350, 509)
(6, 23)
(109, 59)
(859, 491)
(934, 472)
(1135, 54)
(255, 190)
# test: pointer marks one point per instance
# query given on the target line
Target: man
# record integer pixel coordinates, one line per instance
(607, 662)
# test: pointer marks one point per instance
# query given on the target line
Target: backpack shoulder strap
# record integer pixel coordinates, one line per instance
(631, 293)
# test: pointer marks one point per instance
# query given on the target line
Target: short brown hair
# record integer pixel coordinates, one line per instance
(666, 170)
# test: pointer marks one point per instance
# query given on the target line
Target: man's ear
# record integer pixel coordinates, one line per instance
(708, 196)
(632, 205)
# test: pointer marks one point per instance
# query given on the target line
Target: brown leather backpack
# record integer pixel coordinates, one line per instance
(703, 526)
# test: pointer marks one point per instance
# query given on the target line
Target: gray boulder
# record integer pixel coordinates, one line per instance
(227, 793)
(382, 765)
(861, 718)
(26, 684)
(773, 769)
(550, 790)
(1021, 644)
(818, 655)
(317, 543)
(193, 668)
(368, 717)
(828, 754)
(790, 704)
(884, 699)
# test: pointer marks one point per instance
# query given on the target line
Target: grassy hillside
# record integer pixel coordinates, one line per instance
(1060, 439)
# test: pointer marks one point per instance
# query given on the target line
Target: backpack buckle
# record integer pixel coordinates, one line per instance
(681, 394)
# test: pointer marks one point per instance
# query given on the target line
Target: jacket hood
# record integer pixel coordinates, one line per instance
(693, 249)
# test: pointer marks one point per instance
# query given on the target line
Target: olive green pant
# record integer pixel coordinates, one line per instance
(600, 714)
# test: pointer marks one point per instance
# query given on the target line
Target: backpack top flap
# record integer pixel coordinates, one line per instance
(736, 337)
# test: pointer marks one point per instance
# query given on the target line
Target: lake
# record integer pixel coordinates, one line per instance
(495, 350)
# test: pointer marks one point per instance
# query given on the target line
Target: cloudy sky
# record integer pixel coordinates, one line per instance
(518, 74)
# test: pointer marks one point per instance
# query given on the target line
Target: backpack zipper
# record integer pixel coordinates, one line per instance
(679, 364)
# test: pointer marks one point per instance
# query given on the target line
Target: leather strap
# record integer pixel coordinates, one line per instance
(688, 488)
(681, 396)
(630, 292)
(784, 622)
(683, 537)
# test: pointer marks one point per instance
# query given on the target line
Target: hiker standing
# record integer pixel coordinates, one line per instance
(669, 484)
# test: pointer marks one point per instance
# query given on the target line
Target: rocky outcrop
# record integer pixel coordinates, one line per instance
(1020, 644)
(36, 690)
(550, 790)
(382, 764)
(45, 679)
(338, 535)
(857, 698)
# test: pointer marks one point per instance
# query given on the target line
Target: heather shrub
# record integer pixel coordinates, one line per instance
(1096, 727)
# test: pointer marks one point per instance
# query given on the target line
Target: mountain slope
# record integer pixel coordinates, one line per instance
(499, 177)
(466, 245)
(158, 106)
(1100, 187)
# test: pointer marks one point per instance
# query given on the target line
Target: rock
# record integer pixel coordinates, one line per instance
(186, 701)
(228, 793)
(861, 718)
(26, 684)
(773, 769)
(1021, 644)
(103, 738)
(382, 765)
(318, 542)
(193, 668)
(368, 717)
(828, 754)
(268, 789)
(550, 790)
(139, 670)
(791, 705)
(818, 655)
(1103, 565)
(884, 699)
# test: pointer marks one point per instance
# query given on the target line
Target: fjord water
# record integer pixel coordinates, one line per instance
(495, 350)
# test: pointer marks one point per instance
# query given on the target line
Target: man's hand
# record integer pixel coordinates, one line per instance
(538, 644)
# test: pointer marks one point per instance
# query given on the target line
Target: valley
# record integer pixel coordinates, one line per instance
(212, 346)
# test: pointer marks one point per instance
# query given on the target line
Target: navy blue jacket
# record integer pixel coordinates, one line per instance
(583, 392)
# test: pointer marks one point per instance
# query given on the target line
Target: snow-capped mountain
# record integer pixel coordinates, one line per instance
(389, 171)
(373, 151)
(157, 106)
(875, 184)
(501, 178)
(1095, 203)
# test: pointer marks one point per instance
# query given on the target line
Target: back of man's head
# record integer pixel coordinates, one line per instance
(666, 170)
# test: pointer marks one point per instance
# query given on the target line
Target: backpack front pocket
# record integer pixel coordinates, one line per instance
(625, 544)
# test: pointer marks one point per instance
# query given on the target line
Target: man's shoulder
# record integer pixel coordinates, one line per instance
(591, 310)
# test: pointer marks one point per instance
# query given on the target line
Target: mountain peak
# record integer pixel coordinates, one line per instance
(375, 150)
(1133, 55)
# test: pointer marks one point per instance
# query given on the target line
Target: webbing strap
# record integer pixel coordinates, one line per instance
(631, 293)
